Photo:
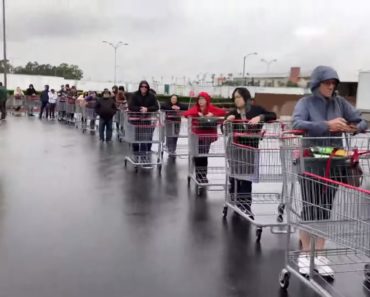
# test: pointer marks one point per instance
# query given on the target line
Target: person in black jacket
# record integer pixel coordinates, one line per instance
(30, 95)
(173, 122)
(143, 102)
(44, 98)
(106, 108)
(241, 190)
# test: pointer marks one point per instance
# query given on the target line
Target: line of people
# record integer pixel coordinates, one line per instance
(321, 114)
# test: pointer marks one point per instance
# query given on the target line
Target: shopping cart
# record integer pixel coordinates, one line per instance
(79, 116)
(143, 132)
(206, 157)
(61, 107)
(176, 134)
(33, 104)
(253, 157)
(89, 121)
(70, 110)
(18, 105)
(118, 120)
(327, 200)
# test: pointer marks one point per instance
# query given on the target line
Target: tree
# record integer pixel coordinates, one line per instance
(9, 66)
(64, 70)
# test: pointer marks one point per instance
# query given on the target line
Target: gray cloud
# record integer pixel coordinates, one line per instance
(188, 37)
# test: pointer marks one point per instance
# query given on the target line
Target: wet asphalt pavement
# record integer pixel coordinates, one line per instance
(74, 222)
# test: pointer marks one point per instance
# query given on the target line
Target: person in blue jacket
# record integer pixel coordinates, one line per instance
(322, 114)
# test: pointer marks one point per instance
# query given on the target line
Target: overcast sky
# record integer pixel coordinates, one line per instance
(174, 37)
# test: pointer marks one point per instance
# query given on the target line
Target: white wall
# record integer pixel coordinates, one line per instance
(363, 91)
(23, 81)
(226, 91)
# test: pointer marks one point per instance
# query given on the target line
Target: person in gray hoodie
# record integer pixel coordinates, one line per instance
(323, 114)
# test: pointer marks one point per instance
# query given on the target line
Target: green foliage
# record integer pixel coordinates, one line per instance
(291, 84)
(67, 71)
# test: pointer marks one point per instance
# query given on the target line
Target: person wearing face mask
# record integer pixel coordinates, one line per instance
(254, 116)
(201, 110)
(322, 114)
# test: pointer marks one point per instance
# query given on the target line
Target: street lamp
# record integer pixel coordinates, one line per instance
(4, 46)
(244, 58)
(268, 63)
(115, 47)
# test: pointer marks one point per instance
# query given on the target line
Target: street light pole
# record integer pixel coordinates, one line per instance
(244, 58)
(115, 47)
(4, 44)
(268, 63)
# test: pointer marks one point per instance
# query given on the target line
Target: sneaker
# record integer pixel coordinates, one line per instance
(304, 264)
(147, 166)
(204, 180)
(322, 266)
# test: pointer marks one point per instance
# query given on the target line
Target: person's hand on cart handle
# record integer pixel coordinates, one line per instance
(175, 107)
(230, 118)
(255, 120)
(143, 109)
(338, 125)
(352, 128)
(210, 114)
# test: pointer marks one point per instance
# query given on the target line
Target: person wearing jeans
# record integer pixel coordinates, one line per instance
(322, 114)
(106, 109)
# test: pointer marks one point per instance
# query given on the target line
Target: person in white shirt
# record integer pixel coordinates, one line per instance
(53, 96)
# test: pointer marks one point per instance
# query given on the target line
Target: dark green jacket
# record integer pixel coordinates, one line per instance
(3, 94)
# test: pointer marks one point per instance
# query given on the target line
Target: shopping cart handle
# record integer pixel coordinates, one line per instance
(295, 132)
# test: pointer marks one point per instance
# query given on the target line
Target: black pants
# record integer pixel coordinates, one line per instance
(201, 163)
(171, 144)
(105, 125)
(43, 107)
(172, 141)
(143, 134)
(241, 193)
(3, 109)
(51, 110)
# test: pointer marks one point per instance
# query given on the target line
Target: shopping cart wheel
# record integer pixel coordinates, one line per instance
(258, 234)
(224, 212)
(284, 278)
(189, 181)
(198, 190)
(280, 218)
(159, 169)
(281, 208)
(125, 163)
(83, 131)
(367, 274)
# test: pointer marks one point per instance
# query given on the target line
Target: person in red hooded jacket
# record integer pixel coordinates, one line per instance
(203, 109)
